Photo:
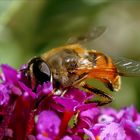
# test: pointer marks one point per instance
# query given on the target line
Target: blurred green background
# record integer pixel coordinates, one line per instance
(28, 28)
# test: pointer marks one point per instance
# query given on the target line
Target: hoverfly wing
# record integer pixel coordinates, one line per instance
(89, 36)
(127, 67)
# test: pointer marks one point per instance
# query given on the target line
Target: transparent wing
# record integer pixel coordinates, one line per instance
(127, 67)
(93, 34)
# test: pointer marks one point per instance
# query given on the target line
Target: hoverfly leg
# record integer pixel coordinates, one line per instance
(103, 98)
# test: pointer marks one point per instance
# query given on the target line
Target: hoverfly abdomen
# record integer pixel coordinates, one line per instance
(105, 70)
(99, 59)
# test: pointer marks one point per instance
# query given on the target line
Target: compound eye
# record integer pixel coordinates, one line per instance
(41, 70)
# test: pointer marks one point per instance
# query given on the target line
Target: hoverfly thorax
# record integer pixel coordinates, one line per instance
(63, 62)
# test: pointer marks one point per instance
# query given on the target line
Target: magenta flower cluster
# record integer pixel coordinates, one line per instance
(45, 115)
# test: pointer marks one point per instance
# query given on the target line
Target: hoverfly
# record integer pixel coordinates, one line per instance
(72, 65)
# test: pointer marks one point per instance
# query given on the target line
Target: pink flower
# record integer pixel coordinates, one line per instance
(44, 115)
(48, 124)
